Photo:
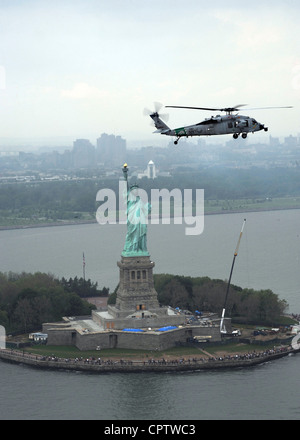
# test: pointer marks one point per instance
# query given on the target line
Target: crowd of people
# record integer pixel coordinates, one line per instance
(252, 355)
(150, 362)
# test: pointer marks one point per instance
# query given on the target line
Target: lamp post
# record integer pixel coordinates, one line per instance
(125, 172)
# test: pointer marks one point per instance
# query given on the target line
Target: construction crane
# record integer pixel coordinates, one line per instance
(222, 326)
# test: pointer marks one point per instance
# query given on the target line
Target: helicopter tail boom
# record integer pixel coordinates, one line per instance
(159, 124)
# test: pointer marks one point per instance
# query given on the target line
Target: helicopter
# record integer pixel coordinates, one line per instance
(229, 123)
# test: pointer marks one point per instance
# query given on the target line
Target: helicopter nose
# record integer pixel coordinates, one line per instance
(262, 127)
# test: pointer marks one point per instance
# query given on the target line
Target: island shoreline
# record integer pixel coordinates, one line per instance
(143, 366)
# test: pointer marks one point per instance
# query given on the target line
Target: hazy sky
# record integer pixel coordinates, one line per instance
(78, 68)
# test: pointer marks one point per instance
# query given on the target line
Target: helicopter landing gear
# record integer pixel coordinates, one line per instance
(236, 135)
(176, 142)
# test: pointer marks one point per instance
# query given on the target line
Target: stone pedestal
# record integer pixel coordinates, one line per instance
(136, 290)
(137, 303)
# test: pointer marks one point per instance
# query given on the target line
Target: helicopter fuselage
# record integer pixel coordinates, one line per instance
(218, 125)
(221, 125)
(230, 123)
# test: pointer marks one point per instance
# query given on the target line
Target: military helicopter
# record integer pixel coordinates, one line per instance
(229, 123)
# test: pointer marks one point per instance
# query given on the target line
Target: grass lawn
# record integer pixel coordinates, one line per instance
(239, 348)
(116, 353)
(130, 354)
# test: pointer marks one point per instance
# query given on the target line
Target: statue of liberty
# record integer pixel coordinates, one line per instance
(137, 215)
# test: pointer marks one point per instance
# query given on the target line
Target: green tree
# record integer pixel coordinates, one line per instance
(260, 307)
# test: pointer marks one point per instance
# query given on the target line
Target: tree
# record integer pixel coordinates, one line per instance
(4, 319)
(259, 307)
(84, 288)
(28, 300)
(24, 314)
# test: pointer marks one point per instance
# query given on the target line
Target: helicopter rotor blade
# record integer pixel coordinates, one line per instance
(193, 108)
(232, 109)
(268, 108)
(147, 112)
(229, 109)
(157, 107)
(239, 105)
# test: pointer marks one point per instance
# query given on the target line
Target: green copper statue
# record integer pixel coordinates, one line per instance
(137, 214)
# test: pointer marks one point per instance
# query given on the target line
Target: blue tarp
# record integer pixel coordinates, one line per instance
(164, 329)
(132, 330)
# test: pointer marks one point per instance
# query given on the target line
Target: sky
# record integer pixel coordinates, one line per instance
(78, 68)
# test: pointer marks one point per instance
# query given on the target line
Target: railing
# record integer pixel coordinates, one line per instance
(190, 363)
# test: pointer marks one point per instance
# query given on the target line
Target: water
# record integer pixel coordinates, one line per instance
(269, 391)
(269, 257)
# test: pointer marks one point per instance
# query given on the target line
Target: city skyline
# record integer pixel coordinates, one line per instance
(110, 152)
(53, 143)
(74, 69)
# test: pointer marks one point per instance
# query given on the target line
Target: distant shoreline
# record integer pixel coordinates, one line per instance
(48, 225)
(90, 222)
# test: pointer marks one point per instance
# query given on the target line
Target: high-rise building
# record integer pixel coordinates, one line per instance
(83, 153)
(111, 150)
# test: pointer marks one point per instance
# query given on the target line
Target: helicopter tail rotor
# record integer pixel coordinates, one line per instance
(157, 118)
(157, 107)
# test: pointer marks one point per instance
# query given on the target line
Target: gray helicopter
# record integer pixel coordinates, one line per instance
(229, 123)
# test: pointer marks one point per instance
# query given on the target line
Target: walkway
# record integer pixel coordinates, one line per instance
(162, 365)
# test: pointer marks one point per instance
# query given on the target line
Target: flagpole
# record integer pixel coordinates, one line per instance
(83, 266)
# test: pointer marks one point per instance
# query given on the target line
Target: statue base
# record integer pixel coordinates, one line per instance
(137, 303)
(136, 286)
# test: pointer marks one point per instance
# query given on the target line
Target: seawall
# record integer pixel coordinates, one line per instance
(139, 366)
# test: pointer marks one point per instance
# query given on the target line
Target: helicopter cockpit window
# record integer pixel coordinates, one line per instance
(254, 121)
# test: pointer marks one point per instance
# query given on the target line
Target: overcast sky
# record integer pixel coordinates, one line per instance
(78, 68)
